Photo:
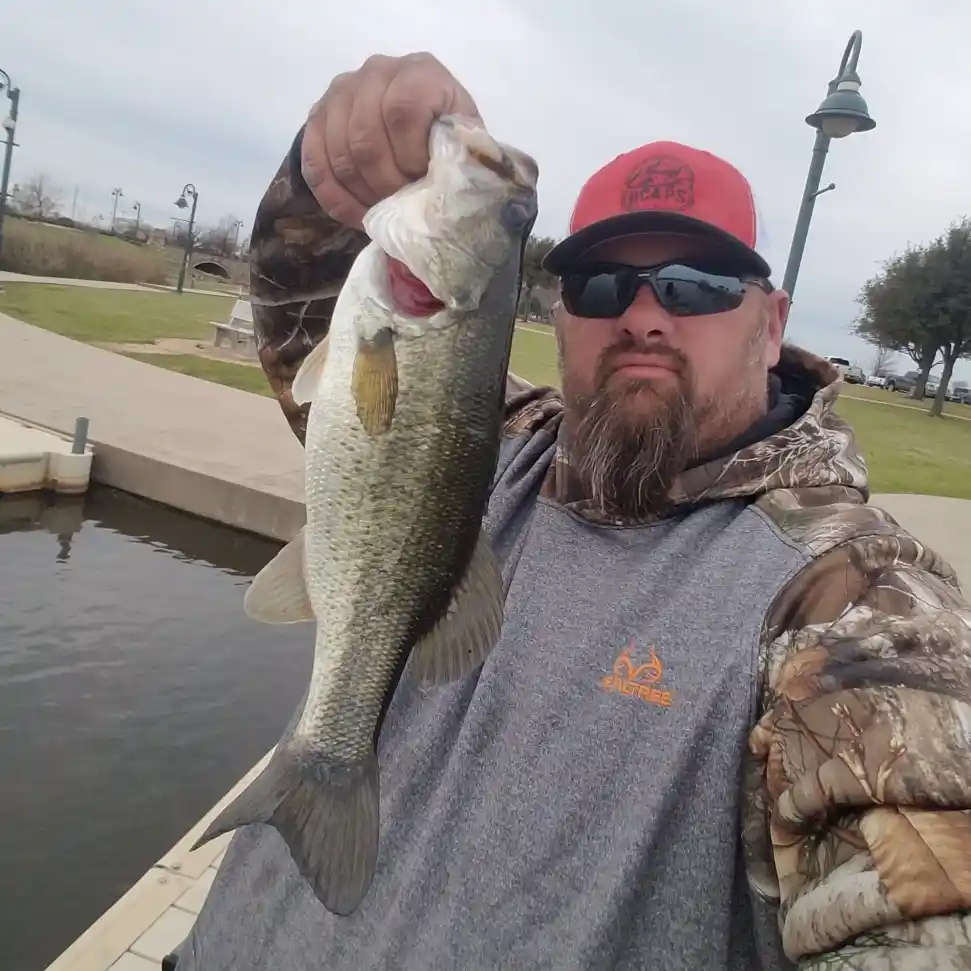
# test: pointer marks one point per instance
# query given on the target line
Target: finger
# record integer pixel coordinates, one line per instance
(369, 145)
(339, 103)
(462, 103)
(333, 198)
(422, 90)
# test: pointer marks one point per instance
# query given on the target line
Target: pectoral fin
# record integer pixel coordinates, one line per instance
(278, 593)
(470, 627)
(375, 382)
(308, 376)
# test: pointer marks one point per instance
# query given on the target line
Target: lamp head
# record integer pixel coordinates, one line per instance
(844, 111)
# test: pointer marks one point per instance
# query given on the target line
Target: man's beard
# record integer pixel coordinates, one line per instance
(631, 439)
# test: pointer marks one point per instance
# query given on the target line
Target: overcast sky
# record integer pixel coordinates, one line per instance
(150, 94)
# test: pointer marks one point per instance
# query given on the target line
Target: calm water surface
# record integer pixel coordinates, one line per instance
(134, 692)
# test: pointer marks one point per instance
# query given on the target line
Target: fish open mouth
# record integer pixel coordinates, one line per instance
(408, 294)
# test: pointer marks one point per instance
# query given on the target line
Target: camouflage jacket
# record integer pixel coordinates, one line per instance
(857, 822)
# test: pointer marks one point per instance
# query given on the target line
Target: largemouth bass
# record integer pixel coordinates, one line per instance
(402, 443)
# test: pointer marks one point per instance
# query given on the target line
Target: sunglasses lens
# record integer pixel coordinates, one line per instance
(683, 291)
(687, 292)
(600, 293)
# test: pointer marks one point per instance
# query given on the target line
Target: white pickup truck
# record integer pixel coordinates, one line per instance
(851, 373)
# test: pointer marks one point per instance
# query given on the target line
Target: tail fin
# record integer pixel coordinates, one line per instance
(327, 813)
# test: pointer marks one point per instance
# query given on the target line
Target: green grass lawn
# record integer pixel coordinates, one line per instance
(908, 451)
(97, 315)
(534, 356)
(220, 372)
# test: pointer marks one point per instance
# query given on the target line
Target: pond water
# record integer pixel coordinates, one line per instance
(134, 692)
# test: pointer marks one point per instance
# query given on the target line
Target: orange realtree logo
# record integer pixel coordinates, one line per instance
(638, 680)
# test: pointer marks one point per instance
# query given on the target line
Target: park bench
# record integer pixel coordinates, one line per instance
(238, 330)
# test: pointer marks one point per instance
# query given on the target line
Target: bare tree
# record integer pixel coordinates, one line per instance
(882, 358)
(178, 235)
(36, 196)
(222, 239)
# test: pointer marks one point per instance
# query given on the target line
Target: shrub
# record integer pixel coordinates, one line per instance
(44, 250)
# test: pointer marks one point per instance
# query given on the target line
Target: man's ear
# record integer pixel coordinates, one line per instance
(777, 308)
(782, 306)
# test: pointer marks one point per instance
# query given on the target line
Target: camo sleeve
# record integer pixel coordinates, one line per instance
(858, 823)
(299, 260)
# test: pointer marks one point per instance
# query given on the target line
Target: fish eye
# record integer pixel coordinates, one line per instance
(516, 214)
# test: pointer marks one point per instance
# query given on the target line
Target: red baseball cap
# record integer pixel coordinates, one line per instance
(664, 187)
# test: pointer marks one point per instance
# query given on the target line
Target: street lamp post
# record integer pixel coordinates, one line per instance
(9, 126)
(137, 207)
(117, 193)
(842, 112)
(188, 189)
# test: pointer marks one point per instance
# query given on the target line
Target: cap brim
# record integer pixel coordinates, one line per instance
(566, 253)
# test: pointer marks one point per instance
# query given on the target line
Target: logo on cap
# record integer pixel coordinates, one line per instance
(659, 182)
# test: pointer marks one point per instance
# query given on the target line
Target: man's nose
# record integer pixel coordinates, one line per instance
(645, 318)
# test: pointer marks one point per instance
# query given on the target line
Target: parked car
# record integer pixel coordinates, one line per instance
(905, 382)
(876, 381)
(960, 392)
(908, 381)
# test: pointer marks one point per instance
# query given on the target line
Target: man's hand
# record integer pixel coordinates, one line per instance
(368, 135)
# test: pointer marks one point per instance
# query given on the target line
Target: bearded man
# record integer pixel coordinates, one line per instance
(726, 725)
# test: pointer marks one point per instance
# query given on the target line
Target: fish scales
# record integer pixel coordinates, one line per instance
(401, 447)
(400, 517)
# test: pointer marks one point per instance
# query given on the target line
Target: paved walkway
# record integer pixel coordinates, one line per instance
(214, 451)
(7, 277)
(63, 281)
(942, 523)
(206, 293)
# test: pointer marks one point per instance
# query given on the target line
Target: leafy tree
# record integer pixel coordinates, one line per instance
(889, 316)
(534, 276)
(948, 263)
(920, 305)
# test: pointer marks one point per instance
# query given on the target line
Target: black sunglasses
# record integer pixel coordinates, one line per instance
(606, 290)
